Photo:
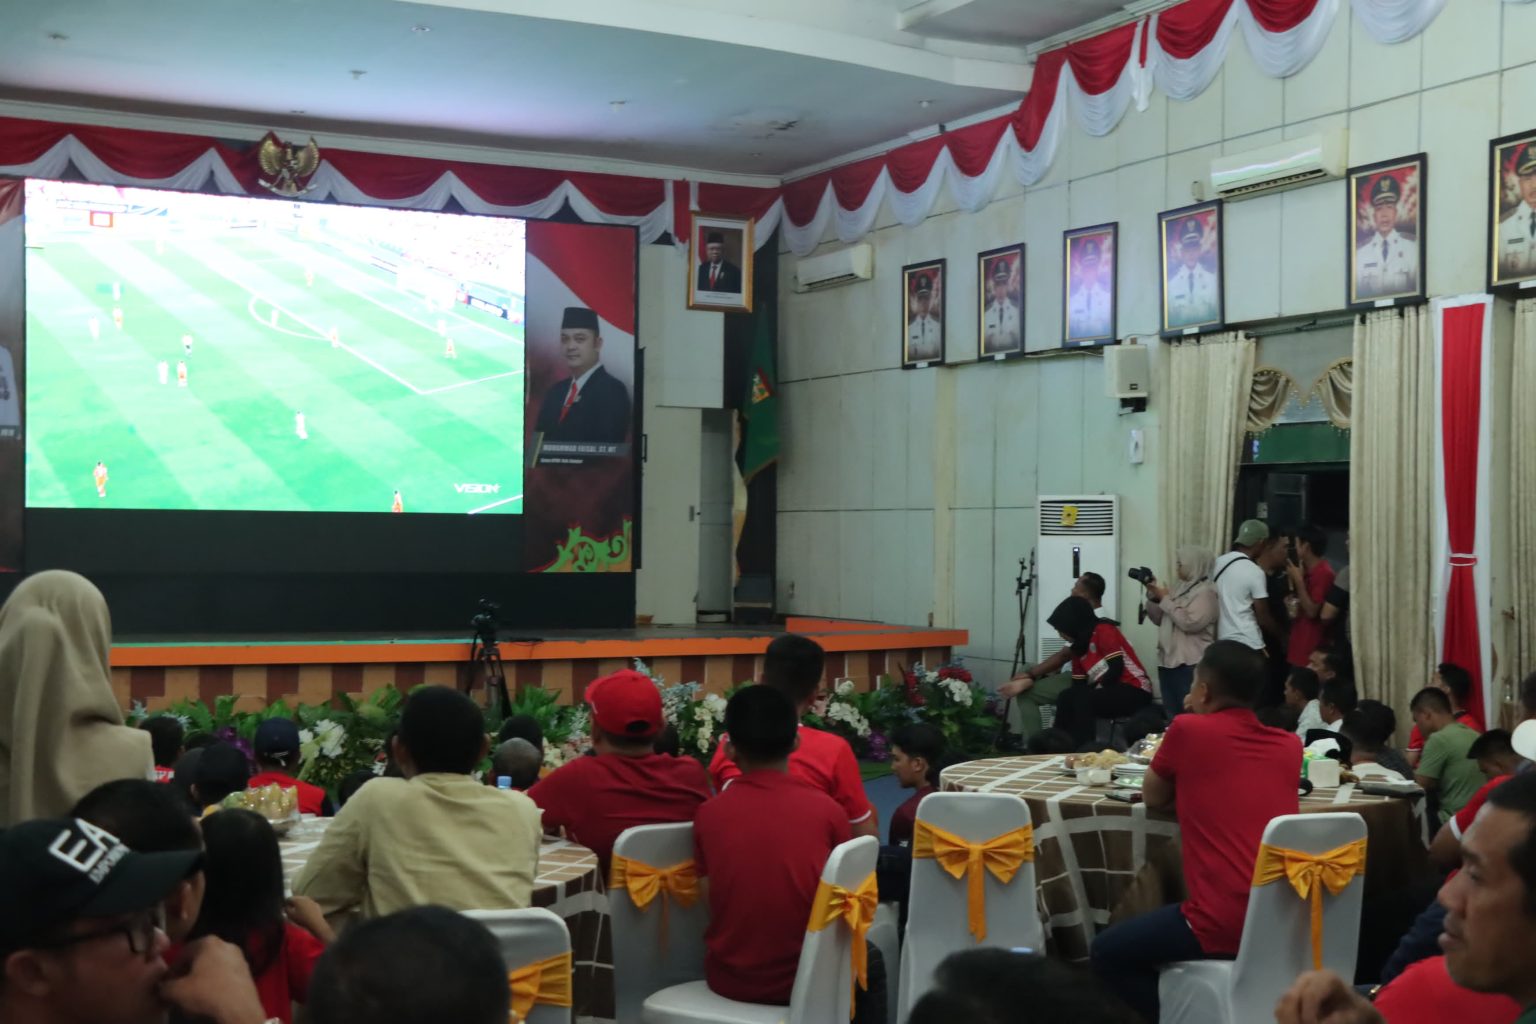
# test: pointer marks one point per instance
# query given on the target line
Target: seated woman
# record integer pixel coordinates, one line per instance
(1108, 680)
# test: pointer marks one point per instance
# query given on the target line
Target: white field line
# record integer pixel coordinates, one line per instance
(320, 335)
(468, 383)
(486, 508)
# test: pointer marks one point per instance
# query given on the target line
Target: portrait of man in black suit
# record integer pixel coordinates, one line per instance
(716, 273)
(590, 405)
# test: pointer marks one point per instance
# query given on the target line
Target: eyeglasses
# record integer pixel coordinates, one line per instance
(140, 930)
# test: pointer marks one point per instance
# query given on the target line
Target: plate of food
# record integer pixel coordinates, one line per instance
(1103, 759)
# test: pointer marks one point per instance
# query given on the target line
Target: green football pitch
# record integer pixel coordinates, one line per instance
(384, 407)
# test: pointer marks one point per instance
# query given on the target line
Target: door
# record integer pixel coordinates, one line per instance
(716, 482)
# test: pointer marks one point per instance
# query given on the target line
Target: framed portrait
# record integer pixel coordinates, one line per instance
(1088, 286)
(1191, 269)
(1387, 203)
(922, 314)
(720, 253)
(1512, 213)
(1000, 302)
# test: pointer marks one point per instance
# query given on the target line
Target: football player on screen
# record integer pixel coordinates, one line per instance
(186, 343)
(117, 317)
(181, 373)
(397, 505)
(449, 352)
(299, 426)
(100, 476)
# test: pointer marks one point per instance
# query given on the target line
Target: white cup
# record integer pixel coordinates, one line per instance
(1098, 777)
(1324, 772)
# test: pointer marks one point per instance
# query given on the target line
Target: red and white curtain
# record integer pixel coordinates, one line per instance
(1178, 50)
(1463, 461)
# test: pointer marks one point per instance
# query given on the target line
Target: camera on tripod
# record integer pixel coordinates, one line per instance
(1141, 574)
(485, 622)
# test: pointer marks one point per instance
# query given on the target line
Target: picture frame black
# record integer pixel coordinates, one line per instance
(1000, 319)
(919, 349)
(1511, 271)
(1088, 318)
(1394, 275)
(1192, 295)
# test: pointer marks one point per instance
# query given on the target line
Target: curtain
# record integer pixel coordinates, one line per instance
(1522, 489)
(1391, 498)
(1202, 438)
(1272, 389)
(1336, 390)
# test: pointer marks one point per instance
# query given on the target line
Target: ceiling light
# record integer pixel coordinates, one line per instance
(356, 73)
(616, 105)
(925, 104)
(58, 37)
(421, 30)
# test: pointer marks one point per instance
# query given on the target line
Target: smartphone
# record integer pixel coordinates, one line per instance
(1125, 796)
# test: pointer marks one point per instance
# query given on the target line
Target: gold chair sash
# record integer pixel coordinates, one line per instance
(1308, 874)
(856, 907)
(644, 882)
(1002, 855)
(543, 982)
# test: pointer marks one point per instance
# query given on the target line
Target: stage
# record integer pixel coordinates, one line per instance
(311, 670)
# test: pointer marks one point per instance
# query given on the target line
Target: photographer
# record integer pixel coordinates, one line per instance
(1185, 620)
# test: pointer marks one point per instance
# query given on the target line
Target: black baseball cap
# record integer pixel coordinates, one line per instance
(276, 737)
(57, 870)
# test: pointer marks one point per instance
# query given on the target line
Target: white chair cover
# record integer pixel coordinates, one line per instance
(642, 962)
(885, 935)
(525, 937)
(1276, 946)
(822, 992)
(937, 919)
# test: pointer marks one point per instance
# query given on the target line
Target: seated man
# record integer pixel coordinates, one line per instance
(1490, 924)
(995, 986)
(1108, 680)
(221, 770)
(917, 755)
(1220, 826)
(418, 965)
(1335, 699)
(627, 783)
(1444, 770)
(1456, 683)
(793, 665)
(80, 939)
(1369, 728)
(1039, 685)
(435, 835)
(762, 845)
(1495, 754)
(517, 761)
(277, 762)
(1301, 689)
(166, 739)
(522, 727)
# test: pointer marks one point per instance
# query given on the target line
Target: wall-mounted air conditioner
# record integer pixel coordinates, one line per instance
(1078, 534)
(1285, 165)
(830, 269)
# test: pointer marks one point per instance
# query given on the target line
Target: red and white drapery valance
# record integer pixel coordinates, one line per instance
(1178, 50)
(1463, 466)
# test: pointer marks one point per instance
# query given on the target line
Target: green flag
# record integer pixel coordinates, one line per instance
(760, 405)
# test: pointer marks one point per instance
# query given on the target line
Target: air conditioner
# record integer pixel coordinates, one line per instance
(1285, 165)
(830, 269)
(1078, 534)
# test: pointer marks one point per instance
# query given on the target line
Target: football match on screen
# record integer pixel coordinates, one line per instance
(201, 352)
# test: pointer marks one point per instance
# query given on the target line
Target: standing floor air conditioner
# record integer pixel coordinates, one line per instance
(1078, 534)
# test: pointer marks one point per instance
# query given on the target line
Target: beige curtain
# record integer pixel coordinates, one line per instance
(1202, 428)
(1522, 489)
(1272, 389)
(1391, 497)
(1336, 390)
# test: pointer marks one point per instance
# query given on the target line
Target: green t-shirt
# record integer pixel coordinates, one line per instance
(1528, 1017)
(1445, 759)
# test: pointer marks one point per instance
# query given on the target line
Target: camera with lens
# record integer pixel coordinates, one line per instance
(1141, 574)
(484, 623)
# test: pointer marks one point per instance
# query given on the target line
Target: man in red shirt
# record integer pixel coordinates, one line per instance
(627, 783)
(761, 845)
(167, 739)
(1456, 682)
(1220, 826)
(1311, 578)
(917, 753)
(793, 665)
(277, 760)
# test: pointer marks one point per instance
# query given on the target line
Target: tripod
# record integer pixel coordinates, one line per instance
(485, 663)
(1024, 588)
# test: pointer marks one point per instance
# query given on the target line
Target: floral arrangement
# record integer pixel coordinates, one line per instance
(947, 697)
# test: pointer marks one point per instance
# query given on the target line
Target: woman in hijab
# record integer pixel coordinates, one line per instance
(1108, 680)
(1186, 623)
(61, 729)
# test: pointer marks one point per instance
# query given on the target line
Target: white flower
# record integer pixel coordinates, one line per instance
(186, 723)
(706, 741)
(843, 688)
(379, 767)
(330, 736)
(309, 747)
(716, 705)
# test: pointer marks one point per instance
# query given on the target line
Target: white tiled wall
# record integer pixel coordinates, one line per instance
(861, 468)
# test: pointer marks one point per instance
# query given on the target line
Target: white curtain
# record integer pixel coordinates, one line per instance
(1391, 499)
(1522, 490)
(1208, 386)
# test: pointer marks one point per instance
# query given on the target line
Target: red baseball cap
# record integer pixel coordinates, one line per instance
(626, 703)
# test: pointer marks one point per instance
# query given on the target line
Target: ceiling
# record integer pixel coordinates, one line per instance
(711, 85)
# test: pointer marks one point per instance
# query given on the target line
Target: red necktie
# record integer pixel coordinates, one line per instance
(570, 400)
(714, 273)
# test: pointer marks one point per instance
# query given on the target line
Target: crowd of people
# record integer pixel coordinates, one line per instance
(133, 892)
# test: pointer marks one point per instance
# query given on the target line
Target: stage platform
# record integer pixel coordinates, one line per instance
(311, 670)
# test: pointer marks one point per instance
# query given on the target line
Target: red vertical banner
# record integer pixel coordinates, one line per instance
(1461, 360)
(12, 374)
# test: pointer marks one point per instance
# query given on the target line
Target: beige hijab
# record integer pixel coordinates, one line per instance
(61, 729)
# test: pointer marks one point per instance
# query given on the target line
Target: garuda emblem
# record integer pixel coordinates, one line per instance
(288, 165)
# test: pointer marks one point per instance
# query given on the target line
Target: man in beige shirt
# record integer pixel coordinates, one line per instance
(435, 836)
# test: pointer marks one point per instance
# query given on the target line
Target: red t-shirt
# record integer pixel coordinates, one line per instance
(1462, 819)
(1425, 994)
(164, 774)
(904, 818)
(1106, 645)
(762, 843)
(596, 798)
(1307, 634)
(286, 981)
(311, 797)
(1222, 817)
(823, 761)
(1466, 718)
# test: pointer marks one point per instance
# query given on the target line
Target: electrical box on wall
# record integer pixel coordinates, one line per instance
(1078, 534)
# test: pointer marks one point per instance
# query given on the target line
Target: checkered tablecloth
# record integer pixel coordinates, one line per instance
(568, 883)
(1090, 850)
